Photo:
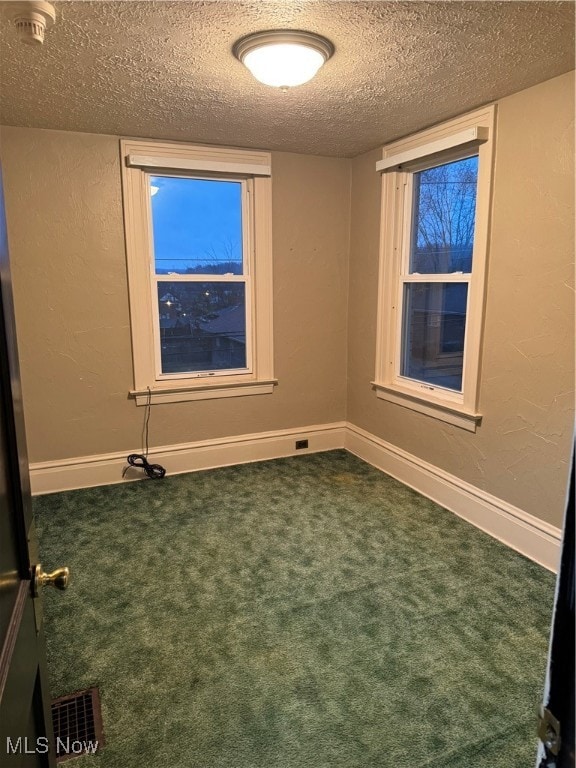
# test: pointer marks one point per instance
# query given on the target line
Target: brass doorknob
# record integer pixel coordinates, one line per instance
(59, 579)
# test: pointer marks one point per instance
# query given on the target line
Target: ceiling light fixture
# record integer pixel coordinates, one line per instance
(283, 57)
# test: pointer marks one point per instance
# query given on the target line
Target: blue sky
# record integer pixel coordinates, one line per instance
(195, 221)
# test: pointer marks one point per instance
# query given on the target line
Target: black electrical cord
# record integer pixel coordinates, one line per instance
(153, 471)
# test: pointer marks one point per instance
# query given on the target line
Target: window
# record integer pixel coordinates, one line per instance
(434, 234)
(198, 241)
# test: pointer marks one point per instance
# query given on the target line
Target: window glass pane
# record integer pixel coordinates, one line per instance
(444, 206)
(433, 329)
(202, 326)
(197, 226)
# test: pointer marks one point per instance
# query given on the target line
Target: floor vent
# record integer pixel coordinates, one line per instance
(77, 724)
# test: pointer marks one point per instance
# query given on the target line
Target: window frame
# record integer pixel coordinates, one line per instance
(246, 278)
(466, 136)
(141, 160)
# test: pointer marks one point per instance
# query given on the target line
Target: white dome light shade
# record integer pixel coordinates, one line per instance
(283, 64)
(283, 58)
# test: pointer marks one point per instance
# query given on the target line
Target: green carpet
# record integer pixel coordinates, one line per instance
(307, 612)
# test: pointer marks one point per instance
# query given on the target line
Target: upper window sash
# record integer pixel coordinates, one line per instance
(247, 217)
(411, 223)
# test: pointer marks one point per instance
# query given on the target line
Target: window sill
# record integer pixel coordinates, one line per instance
(162, 394)
(451, 414)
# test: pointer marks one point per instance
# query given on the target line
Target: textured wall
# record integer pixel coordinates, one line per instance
(65, 228)
(521, 450)
(67, 248)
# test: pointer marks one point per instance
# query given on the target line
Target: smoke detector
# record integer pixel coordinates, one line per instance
(31, 20)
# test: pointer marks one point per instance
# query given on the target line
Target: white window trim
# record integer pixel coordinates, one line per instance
(139, 160)
(470, 134)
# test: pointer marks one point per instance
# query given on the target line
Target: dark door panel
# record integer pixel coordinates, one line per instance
(26, 736)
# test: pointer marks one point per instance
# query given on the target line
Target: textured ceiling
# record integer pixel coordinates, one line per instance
(165, 69)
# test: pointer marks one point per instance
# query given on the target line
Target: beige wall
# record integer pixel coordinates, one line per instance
(65, 229)
(521, 451)
(66, 236)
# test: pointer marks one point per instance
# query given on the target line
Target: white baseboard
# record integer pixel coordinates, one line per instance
(532, 537)
(107, 469)
(521, 531)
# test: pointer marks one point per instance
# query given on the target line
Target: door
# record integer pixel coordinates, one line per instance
(26, 737)
(556, 731)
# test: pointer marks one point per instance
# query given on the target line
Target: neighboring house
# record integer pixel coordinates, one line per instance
(197, 344)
